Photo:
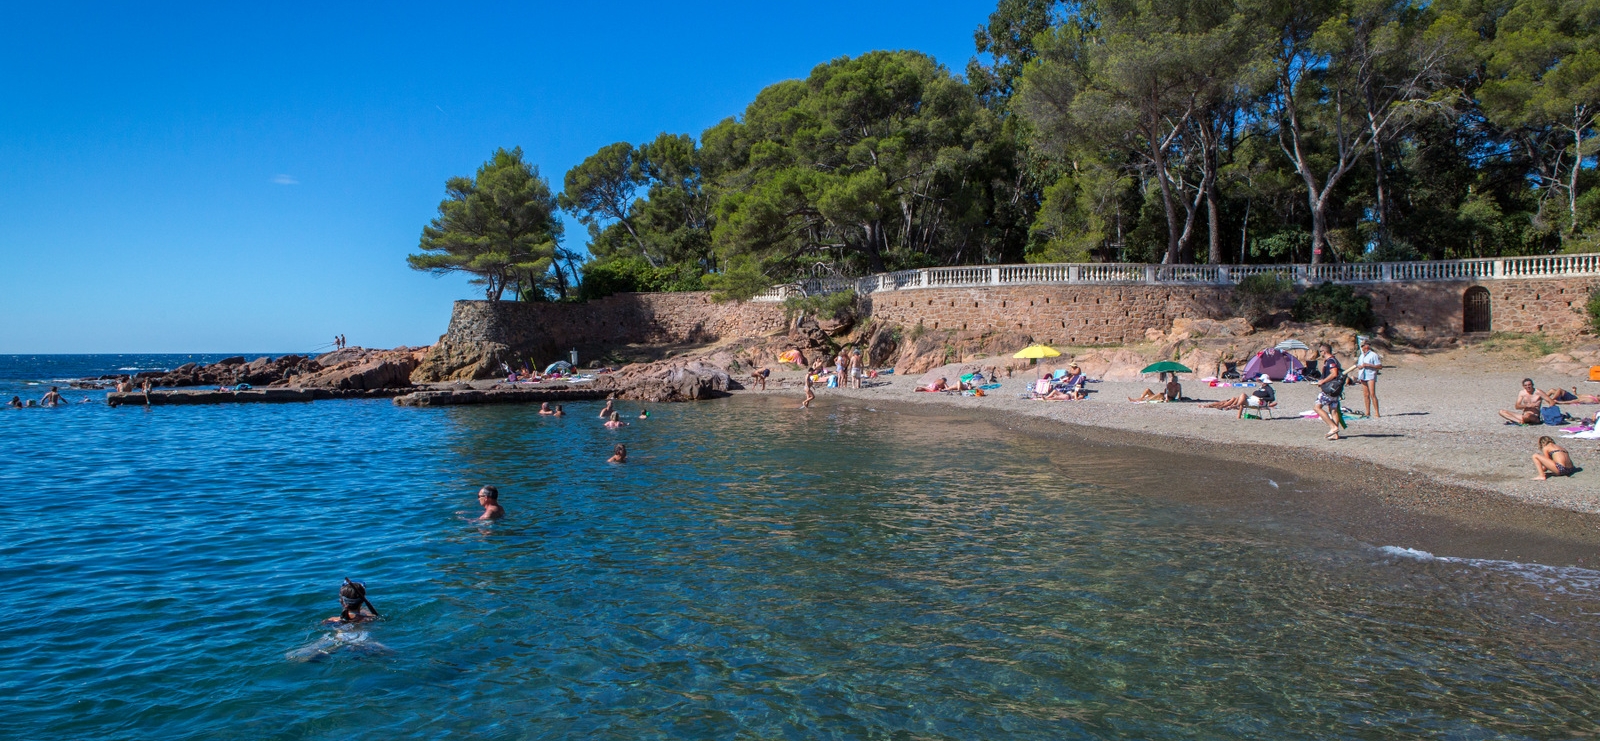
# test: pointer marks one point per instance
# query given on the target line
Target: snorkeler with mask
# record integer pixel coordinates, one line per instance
(354, 609)
(352, 597)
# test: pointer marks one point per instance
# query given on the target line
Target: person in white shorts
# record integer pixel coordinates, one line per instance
(1366, 370)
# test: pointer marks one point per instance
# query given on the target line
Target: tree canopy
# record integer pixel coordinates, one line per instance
(499, 225)
(1222, 131)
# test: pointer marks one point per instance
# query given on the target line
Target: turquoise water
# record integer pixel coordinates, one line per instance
(752, 572)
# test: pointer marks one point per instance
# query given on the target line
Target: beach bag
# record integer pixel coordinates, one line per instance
(1333, 387)
(1552, 415)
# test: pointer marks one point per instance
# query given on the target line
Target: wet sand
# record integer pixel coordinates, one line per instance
(1439, 472)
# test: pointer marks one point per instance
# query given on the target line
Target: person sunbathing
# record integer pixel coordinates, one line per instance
(939, 385)
(1060, 395)
(1552, 460)
(1172, 392)
(1529, 402)
(1260, 398)
(1564, 396)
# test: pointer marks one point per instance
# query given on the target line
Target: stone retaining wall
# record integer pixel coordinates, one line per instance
(1055, 314)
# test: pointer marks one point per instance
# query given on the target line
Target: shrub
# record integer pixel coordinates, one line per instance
(841, 306)
(1594, 310)
(1335, 305)
(635, 275)
(1258, 296)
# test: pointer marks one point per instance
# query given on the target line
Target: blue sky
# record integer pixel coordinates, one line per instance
(250, 177)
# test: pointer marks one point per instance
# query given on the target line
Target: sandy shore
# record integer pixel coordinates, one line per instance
(1438, 422)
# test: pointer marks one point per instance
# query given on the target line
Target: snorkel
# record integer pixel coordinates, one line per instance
(352, 595)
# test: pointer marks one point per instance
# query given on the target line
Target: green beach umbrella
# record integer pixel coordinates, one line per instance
(1166, 366)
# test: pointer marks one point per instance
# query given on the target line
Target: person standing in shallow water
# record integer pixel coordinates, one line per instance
(607, 409)
(810, 393)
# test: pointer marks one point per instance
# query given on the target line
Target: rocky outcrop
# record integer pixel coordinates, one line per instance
(364, 371)
(455, 360)
(690, 380)
(228, 372)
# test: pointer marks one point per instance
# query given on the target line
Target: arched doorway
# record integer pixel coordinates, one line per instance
(1475, 313)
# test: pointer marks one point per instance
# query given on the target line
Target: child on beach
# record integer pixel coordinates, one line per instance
(1552, 460)
(489, 497)
(619, 454)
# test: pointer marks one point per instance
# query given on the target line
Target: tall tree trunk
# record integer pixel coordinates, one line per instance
(1577, 165)
(1213, 221)
(1382, 193)
(1244, 231)
(1173, 230)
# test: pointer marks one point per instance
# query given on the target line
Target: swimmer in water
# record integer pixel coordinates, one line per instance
(352, 598)
(644, 414)
(545, 410)
(615, 422)
(54, 398)
(607, 410)
(559, 412)
(619, 454)
(15, 403)
(489, 497)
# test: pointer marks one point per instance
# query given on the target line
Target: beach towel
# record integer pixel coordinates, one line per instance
(1590, 435)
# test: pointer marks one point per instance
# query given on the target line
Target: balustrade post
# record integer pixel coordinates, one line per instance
(994, 276)
(1499, 268)
(1149, 273)
(1223, 275)
(1386, 272)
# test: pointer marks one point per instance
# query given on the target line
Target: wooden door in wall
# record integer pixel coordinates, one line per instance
(1475, 310)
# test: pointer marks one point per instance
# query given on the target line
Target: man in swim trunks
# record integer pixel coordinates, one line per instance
(607, 409)
(489, 497)
(1552, 460)
(54, 398)
(759, 377)
(1528, 404)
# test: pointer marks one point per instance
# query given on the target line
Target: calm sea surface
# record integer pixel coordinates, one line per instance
(752, 572)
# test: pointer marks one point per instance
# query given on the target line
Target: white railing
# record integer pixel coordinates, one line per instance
(1100, 273)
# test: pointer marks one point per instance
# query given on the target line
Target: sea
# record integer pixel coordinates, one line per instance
(752, 571)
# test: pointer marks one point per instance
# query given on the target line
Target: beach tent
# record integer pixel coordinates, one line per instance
(1273, 362)
(560, 366)
(790, 356)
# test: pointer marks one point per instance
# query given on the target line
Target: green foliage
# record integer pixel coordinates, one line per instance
(632, 274)
(1594, 310)
(1258, 296)
(1535, 345)
(1334, 304)
(499, 225)
(838, 306)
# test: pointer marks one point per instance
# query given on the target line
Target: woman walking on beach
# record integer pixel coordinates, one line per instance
(810, 394)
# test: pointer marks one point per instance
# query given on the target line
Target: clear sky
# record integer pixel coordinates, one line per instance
(250, 176)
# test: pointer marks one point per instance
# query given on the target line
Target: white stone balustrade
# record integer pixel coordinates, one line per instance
(1540, 266)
